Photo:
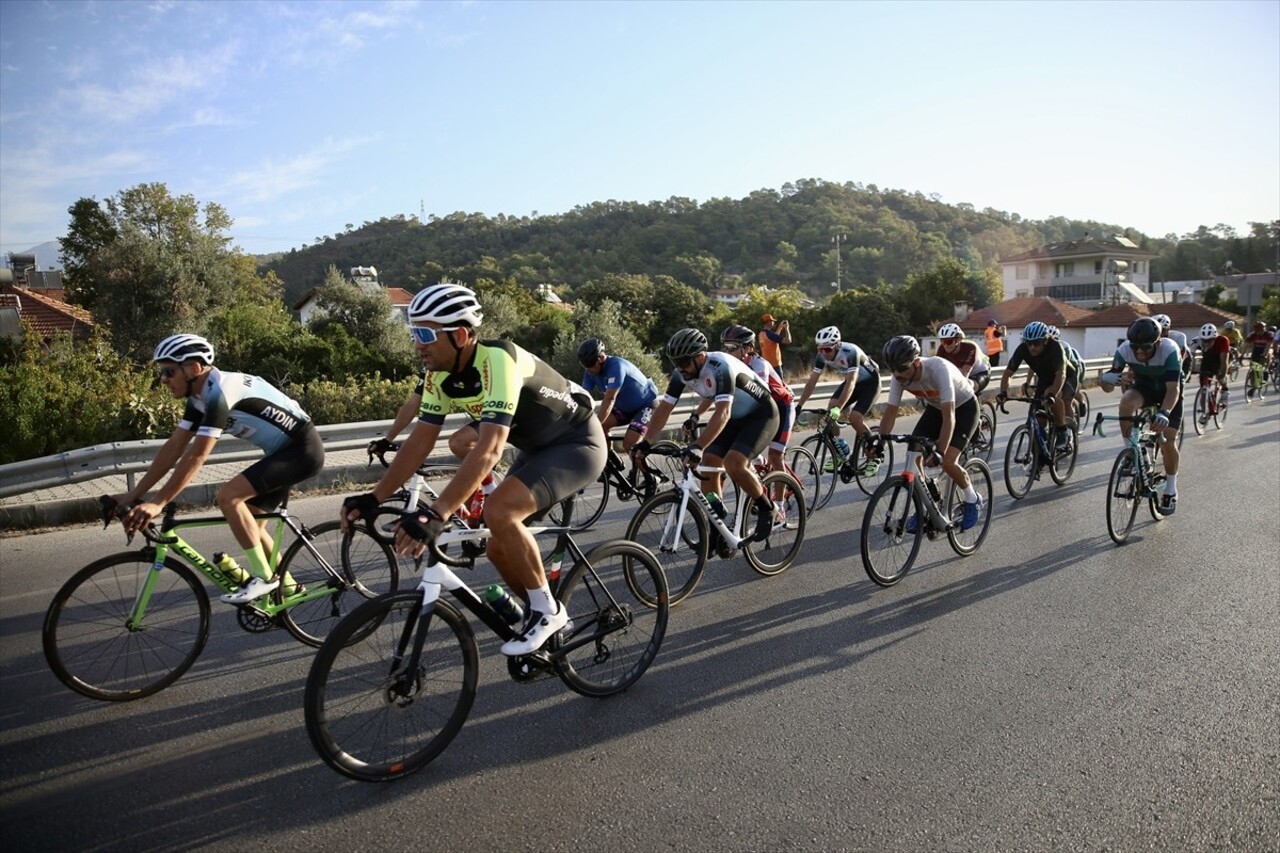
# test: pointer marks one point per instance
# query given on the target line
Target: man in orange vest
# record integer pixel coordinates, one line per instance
(994, 335)
(774, 334)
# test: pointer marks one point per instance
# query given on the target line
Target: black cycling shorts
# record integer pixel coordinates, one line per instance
(865, 394)
(930, 423)
(273, 475)
(750, 435)
(557, 471)
(1152, 396)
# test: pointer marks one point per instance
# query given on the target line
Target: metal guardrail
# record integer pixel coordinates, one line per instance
(133, 457)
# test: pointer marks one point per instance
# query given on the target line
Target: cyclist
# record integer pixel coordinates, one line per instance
(744, 419)
(1149, 370)
(512, 397)
(859, 389)
(1165, 322)
(1235, 336)
(1260, 341)
(629, 395)
(739, 341)
(965, 355)
(244, 406)
(1055, 374)
(950, 412)
(1077, 362)
(1215, 350)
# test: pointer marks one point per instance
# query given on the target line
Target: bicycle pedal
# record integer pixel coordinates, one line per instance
(530, 667)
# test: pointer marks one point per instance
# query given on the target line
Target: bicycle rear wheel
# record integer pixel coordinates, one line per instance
(1200, 410)
(364, 561)
(965, 542)
(1021, 462)
(802, 466)
(888, 548)
(1063, 463)
(984, 439)
(824, 454)
(375, 720)
(613, 633)
(1122, 496)
(776, 554)
(93, 650)
(682, 554)
(588, 505)
(869, 482)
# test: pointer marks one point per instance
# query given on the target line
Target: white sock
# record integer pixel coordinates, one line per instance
(541, 600)
(970, 494)
(1171, 484)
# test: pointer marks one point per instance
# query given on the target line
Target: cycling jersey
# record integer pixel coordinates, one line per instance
(1165, 365)
(1261, 342)
(967, 357)
(848, 358)
(940, 382)
(724, 377)
(247, 407)
(779, 390)
(1235, 336)
(636, 391)
(507, 385)
(1045, 366)
(1073, 358)
(1214, 355)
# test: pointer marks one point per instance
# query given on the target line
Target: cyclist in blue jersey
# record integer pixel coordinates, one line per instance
(1148, 368)
(235, 404)
(629, 395)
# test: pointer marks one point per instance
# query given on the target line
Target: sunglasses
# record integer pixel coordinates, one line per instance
(732, 347)
(166, 373)
(902, 369)
(1144, 347)
(826, 349)
(683, 363)
(423, 335)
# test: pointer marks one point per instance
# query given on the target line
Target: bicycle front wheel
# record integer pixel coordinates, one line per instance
(802, 466)
(965, 542)
(1021, 462)
(868, 480)
(1122, 496)
(614, 632)
(679, 544)
(354, 567)
(778, 552)
(1200, 410)
(828, 463)
(889, 547)
(92, 647)
(375, 708)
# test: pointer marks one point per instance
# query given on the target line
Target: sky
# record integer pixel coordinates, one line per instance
(301, 118)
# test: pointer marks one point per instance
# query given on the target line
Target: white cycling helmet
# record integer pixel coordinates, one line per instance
(1230, 324)
(447, 304)
(181, 348)
(1208, 332)
(1163, 320)
(827, 337)
(1053, 331)
(949, 331)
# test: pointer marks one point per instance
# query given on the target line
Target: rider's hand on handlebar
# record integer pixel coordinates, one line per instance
(416, 530)
(1161, 420)
(139, 516)
(1002, 397)
(357, 506)
(641, 449)
(692, 455)
(381, 447)
(690, 425)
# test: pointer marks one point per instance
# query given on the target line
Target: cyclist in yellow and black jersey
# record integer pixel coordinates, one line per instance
(512, 397)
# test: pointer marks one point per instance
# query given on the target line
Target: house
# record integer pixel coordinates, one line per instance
(729, 296)
(365, 278)
(1107, 269)
(46, 314)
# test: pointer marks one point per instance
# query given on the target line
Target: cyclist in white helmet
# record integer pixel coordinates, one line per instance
(965, 355)
(1184, 346)
(859, 389)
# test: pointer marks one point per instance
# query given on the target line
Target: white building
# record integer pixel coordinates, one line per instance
(1107, 269)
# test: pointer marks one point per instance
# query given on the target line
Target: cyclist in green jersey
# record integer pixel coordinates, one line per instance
(513, 397)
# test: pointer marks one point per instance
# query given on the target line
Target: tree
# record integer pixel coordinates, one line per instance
(366, 316)
(603, 321)
(931, 296)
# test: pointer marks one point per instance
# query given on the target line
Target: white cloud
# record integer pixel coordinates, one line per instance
(277, 179)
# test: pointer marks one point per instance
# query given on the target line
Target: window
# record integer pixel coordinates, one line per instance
(1065, 270)
(1097, 267)
(1020, 272)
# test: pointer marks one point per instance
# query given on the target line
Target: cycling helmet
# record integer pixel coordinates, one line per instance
(1035, 331)
(686, 343)
(1259, 326)
(447, 304)
(740, 335)
(182, 348)
(1163, 321)
(590, 351)
(828, 336)
(949, 331)
(1208, 332)
(1144, 331)
(1053, 331)
(901, 350)
(1230, 324)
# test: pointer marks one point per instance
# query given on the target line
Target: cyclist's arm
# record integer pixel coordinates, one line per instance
(948, 426)
(1059, 379)
(808, 389)
(168, 454)
(606, 404)
(474, 468)
(407, 413)
(186, 469)
(840, 399)
(719, 417)
(888, 418)
(1172, 390)
(412, 453)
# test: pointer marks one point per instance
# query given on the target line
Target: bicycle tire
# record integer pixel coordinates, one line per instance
(91, 649)
(1082, 407)
(1021, 462)
(610, 641)
(672, 467)
(683, 558)
(822, 451)
(357, 724)
(778, 553)
(1156, 472)
(1122, 497)
(869, 484)
(364, 561)
(1062, 464)
(984, 439)
(1200, 410)
(966, 542)
(888, 549)
(588, 505)
(804, 468)
(1233, 370)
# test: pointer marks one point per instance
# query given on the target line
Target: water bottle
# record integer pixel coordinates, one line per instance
(230, 568)
(844, 448)
(932, 485)
(504, 604)
(717, 506)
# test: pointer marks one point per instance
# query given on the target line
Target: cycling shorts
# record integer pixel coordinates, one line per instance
(273, 475)
(750, 435)
(1155, 397)
(636, 421)
(865, 394)
(930, 423)
(786, 419)
(572, 463)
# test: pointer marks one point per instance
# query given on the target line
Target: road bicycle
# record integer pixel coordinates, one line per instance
(418, 494)
(639, 481)
(1234, 360)
(1033, 445)
(1137, 474)
(833, 461)
(984, 438)
(1256, 381)
(796, 461)
(1210, 404)
(129, 625)
(394, 682)
(910, 506)
(677, 527)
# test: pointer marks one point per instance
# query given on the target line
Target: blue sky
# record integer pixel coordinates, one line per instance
(300, 118)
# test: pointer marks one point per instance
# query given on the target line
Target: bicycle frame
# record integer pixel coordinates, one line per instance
(671, 539)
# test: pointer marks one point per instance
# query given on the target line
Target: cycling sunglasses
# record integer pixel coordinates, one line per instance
(423, 335)
(166, 373)
(1144, 347)
(903, 369)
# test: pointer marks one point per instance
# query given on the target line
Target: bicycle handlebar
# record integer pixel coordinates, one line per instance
(927, 445)
(113, 509)
(381, 447)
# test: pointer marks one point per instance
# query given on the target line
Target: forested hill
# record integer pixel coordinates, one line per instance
(771, 237)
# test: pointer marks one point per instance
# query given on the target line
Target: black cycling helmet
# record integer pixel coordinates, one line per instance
(590, 352)
(901, 351)
(1144, 331)
(686, 343)
(740, 335)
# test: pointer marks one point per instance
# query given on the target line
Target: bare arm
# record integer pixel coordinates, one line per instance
(407, 413)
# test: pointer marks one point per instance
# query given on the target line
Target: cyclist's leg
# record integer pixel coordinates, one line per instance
(740, 442)
(463, 440)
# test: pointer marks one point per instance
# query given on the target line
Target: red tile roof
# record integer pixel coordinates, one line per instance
(45, 313)
(1182, 315)
(1018, 312)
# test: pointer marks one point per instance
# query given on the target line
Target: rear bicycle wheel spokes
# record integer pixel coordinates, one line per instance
(1021, 462)
(363, 561)
(1122, 496)
(589, 504)
(888, 549)
(681, 553)
(804, 468)
(612, 635)
(373, 723)
(1200, 410)
(868, 483)
(823, 454)
(984, 439)
(1064, 463)
(777, 553)
(92, 649)
(965, 542)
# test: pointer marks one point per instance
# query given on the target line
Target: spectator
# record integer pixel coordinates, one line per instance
(774, 334)
(994, 335)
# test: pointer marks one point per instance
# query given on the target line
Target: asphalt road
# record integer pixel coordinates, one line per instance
(1051, 692)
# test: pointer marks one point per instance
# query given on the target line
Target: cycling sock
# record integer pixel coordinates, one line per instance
(1171, 484)
(257, 559)
(541, 600)
(970, 494)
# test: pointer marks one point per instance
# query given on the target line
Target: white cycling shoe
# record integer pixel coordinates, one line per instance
(251, 591)
(540, 628)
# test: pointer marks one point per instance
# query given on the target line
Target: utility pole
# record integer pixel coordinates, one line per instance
(838, 239)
